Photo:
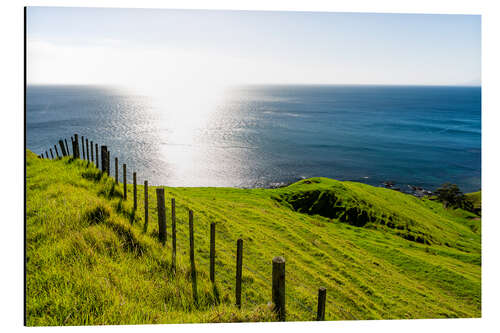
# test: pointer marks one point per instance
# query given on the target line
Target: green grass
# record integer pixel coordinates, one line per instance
(475, 198)
(381, 254)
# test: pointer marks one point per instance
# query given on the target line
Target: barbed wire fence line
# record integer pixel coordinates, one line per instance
(290, 295)
(291, 281)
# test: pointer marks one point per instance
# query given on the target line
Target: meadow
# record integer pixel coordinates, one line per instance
(381, 254)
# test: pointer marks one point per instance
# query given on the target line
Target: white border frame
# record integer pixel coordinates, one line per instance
(12, 138)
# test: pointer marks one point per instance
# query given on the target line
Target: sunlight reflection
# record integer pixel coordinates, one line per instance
(185, 116)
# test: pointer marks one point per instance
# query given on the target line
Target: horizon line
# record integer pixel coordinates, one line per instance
(278, 84)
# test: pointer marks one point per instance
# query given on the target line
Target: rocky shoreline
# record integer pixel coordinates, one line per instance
(409, 189)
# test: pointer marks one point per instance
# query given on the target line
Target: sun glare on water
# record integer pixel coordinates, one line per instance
(184, 116)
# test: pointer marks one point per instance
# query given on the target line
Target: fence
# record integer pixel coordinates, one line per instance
(278, 276)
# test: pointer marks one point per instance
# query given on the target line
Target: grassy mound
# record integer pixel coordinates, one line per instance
(361, 205)
(90, 262)
(475, 198)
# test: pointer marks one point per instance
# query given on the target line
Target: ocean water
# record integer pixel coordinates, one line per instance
(261, 136)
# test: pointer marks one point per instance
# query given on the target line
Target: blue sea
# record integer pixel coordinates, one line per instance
(269, 135)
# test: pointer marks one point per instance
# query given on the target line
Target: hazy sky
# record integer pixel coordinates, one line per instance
(160, 47)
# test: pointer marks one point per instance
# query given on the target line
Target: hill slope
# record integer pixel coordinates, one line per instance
(379, 253)
(475, 199)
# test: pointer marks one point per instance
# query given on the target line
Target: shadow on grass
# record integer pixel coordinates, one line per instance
(109, 190)
(131, 243)
(216, 294)
(96, 215)
(101, 214)
(129, 213)
(92, 175)
(70, 160)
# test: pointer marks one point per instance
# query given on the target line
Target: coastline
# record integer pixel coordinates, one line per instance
(80, 226)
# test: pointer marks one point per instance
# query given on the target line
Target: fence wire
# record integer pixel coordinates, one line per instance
(292, 278)
(265, 279)
(302, 305)
(341, 309)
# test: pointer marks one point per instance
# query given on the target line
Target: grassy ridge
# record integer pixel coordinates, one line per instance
(475, 198)
(89, 261)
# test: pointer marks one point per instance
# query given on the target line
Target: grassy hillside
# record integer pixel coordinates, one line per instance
(381, 254)
(475, 198)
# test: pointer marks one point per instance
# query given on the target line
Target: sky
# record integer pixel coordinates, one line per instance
(148, 48)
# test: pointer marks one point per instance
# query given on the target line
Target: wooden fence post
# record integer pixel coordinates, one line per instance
(97, 156)
(239, 267)
(67, 149)
(321, 303)
(162, 224)
(146, 213)
(83, 149)
(174, 235)
(116, 170)
(63, 150)
(108, 158)
(57, 153)
(124, 181)
(191, 257)
(87, 148)
(107, 163)
(134, 177)
(76, 149)
(51, 155)
(46, 154)
(104, 155)
(92, 151)
(278, 293)
(212, 252)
